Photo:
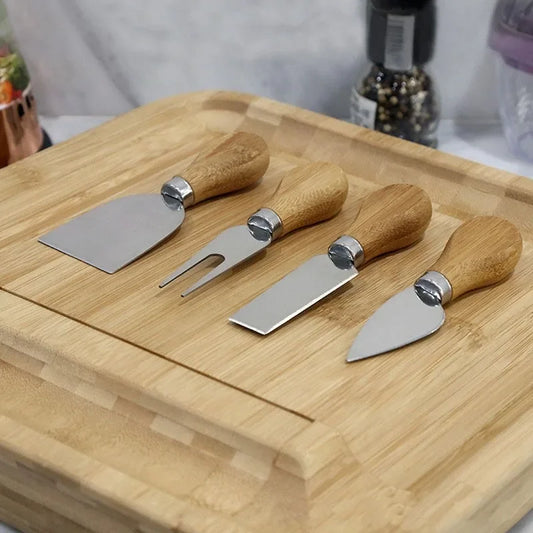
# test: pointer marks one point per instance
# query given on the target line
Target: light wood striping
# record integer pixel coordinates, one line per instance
(295, 200)
(228, 164)
(481, 252)
(135, 409)
(391, 218)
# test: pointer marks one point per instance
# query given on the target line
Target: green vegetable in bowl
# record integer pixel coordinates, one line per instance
(13, 69)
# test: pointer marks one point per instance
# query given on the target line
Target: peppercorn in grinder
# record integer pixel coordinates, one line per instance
(396, 95)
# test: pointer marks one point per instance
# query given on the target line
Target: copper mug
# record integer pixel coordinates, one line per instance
(20, 132)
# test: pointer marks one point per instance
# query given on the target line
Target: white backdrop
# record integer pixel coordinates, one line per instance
(104, 57)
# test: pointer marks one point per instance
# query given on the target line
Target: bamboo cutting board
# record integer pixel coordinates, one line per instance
(125, 407)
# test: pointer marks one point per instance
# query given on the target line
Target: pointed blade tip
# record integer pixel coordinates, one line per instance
(352, 357)
(358, 350)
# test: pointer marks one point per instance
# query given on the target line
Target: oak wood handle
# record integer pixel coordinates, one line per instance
(480, 252)
(391, 218)
(237, 161)
(309, 194)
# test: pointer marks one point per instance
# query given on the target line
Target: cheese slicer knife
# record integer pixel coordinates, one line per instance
(481, 252)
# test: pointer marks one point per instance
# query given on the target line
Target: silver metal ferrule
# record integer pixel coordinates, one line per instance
(179, 189)
(433, 288)
(265, 225)
(346, 252)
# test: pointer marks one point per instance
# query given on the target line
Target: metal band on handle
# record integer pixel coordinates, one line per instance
(265, 225)
(433, 288)
(179, 189)
(346, 252)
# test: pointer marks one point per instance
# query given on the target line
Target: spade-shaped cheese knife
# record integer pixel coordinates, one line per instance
(116, 233)
(306, 195)
(480, 252)
(389, 219)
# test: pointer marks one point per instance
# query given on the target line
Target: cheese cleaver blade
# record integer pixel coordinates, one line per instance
(114, 234)
(389, 219)
(480, 252)
(293, 294)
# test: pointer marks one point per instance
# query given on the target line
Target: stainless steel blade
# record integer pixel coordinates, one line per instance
(114, 234)
(401, 320)
(294, 293)
(234, 245)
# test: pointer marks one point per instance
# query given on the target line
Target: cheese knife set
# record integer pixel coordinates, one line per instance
(481, 252)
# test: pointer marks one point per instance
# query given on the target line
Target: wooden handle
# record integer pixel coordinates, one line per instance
(480, 252)
(237, 161)
(391, 218)
(309, 194)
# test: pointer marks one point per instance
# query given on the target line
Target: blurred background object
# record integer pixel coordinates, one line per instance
(20, 132)
(103, 57)
(397, 96)
(512, 37)
(93, 59)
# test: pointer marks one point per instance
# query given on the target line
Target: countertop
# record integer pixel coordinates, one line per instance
(482, 142)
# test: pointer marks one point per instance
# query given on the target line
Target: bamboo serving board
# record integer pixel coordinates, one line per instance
(124, 407)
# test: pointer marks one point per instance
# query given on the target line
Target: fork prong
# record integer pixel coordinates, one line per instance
(204, 253)
(234, 245)
(219, 269)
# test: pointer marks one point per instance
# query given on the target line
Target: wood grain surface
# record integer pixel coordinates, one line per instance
(154, 413)
(309, 194)
(234, 162)
(481, 252)
(391, 218)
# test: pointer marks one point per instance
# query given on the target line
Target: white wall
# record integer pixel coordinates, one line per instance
(106, 56)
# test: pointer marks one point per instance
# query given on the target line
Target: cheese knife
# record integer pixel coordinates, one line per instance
(481, 252)
(306, 195)
(116, 233)
(389, 219)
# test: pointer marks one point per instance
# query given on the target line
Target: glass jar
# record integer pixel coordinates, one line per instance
(397, 95)
(399, 103)
(512, 38)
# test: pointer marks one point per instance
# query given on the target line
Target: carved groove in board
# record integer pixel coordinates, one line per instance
(161, 356)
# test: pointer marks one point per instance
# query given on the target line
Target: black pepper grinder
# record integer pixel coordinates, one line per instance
(398, 96)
